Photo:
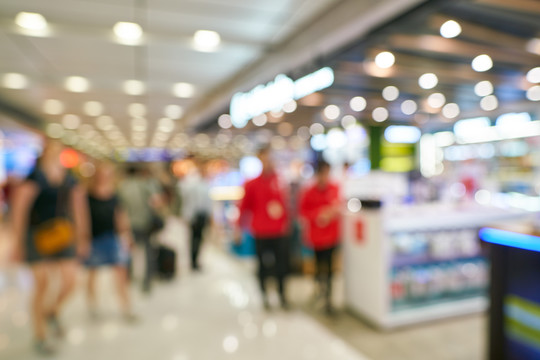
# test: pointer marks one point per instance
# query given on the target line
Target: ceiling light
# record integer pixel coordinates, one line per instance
(77, 84)
(489, 103)
(348, 121)
(316, 129)
(303, 133)
(136, 110)
(533, 94)
(206, 40)
(128, 32)
(331, 112)
(173, 111)
(224, 121)
(358, 103)
(533, 75)
(436, 100)
(290, 107)
(71, 121)
(482, 63)
(428, 81)
(380, 114)
(138, 124)
(31, 21)
(450, 29)
(533, 46)
(183, 90)
(390, 93)
(166, 125)
(14, 81)
(483, 88)
(104, 122)
(409, 107)
(318, 142)
(385, 59)
(53, 107)
(450, 110)
(55, 131)
(93, 108)
(260, 120)
(276, 113)
(134, 87)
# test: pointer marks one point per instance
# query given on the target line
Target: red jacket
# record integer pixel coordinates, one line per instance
(314, 199)
(264, 202)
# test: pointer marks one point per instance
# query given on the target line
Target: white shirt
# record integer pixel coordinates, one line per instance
(195, 197)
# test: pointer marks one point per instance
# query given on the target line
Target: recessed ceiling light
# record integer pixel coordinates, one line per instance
(358, 103)
(14, 81)
(533, 75)
(224, 121)
(127, 32)
(385, 59)
(450, 110)
(331, 112)
(71, 121)
(290, 107)
(206, 40)
(139, 124)
(380, 114)
(104, 122)
(166, 125)
(533, 46)
(489, 103)
(136, 110)
(54, 130)
(409, 107)
(31, 21)
(93, 108)
(348, 121)
(173, 111)
(53, 107)
(134, 87)
(183, 90)
(482, 63)
(483, 88)
(260, 120)
(77, 84)
(533, 94)
(390, 93)
(436, 100)
(450, 29)
(316, 129)
(428, 81)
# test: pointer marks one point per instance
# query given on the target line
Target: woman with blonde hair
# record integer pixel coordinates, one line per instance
(111, 237)
(49, 216)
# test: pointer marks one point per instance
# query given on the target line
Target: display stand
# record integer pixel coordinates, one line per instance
(406, 265)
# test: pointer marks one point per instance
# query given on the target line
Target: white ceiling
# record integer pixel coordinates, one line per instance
(81, 43)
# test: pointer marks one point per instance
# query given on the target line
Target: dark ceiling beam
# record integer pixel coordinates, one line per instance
(526, 6)
(18, 114)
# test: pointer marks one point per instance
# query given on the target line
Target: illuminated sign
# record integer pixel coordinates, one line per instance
(275, 94)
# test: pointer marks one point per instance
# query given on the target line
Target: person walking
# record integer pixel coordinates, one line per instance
(263, 207)
(111, 238)
(320, 209)
(196, 208)
(50, 222)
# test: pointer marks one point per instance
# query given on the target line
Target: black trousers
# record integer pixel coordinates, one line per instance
(272, 256)
(198, 224)
(324, 260)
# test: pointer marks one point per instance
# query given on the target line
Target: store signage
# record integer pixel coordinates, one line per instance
(275, 94)
(360, 232)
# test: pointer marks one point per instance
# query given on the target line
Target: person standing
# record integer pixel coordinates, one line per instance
(264, 208)
(320, 209)
(137, 196)
(111, 238)
(50, 223)
(196, 208)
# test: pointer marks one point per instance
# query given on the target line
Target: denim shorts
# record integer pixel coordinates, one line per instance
(107, 250)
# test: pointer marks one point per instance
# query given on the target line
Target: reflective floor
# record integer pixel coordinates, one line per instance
(217, 314)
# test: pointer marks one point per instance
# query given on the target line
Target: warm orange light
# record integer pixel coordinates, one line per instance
(69, 158)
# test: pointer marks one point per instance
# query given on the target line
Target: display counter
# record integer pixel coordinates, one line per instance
(409, 264)
(514, 316)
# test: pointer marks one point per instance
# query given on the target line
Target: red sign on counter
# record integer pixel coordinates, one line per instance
(360, 232)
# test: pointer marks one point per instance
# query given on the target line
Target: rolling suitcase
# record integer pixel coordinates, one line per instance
(166, 263)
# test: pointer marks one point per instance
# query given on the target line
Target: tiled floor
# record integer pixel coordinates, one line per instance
(216, 315)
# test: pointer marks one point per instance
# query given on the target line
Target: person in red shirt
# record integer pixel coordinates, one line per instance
(263, 209)
(320, 210)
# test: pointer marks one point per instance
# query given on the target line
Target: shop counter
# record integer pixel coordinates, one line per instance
(405, 265)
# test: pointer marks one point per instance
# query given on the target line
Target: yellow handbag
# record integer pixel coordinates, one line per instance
(53, 236)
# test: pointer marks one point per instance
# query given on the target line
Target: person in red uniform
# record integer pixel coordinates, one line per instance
(263, 209)
(320, 210)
